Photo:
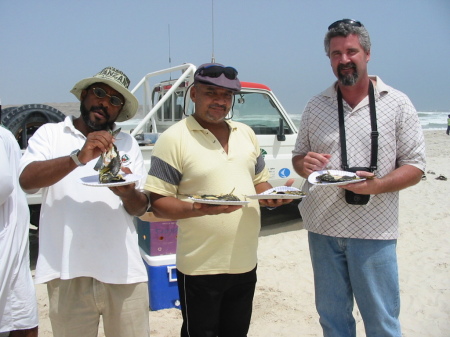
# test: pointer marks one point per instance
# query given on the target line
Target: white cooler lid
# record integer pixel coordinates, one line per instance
(160, 260)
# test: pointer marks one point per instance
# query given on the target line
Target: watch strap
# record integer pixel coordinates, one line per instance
(74, 156)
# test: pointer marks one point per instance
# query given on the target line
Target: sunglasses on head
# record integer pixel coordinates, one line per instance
(100, 93)
(215, 71)
(347, 22)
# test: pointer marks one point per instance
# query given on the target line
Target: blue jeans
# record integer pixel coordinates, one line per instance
(359, 268)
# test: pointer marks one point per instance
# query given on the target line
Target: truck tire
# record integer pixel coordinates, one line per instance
(23, 121)
(6, 111)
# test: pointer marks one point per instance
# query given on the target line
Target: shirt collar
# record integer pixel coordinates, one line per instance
(193, 125)
(68, 123)
(380, 88)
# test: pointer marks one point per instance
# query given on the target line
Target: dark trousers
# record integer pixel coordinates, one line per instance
(216, 305)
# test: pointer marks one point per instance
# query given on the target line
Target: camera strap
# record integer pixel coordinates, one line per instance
(373, 135)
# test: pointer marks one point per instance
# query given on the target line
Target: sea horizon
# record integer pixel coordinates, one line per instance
(430, 120)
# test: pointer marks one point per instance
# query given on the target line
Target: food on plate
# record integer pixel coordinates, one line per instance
(109, 164)
(288, 192)
(224, 197)
(330, 178)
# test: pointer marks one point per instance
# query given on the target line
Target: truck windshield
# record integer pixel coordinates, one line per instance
(258, 111)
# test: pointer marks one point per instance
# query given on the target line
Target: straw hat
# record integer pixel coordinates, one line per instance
(117, 80)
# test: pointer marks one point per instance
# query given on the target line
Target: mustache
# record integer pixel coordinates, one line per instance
(350, 65)
(101, 108)
(224, 107)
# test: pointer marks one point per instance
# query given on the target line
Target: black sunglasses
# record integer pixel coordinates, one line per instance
(347, 22)
(216, 71)
(100, 93)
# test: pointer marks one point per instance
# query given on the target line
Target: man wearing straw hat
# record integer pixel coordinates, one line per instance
(88, 247)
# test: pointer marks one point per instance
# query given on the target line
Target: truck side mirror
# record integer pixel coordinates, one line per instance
(281, 137)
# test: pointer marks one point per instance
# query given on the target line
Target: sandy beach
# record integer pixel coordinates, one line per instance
(284, 298)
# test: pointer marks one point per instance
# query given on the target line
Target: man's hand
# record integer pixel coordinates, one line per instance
(305, 165)
(400, 178)
(134, 201)
(96, 143)
(123, 190)
(272, 203)
(368, 186)
(173, 208)
(206, 209)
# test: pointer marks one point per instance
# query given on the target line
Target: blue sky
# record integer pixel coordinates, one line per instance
(47, 46)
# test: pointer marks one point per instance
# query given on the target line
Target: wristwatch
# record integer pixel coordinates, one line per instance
(74, 156)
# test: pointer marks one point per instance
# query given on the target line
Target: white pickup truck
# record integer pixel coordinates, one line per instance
(166, 101)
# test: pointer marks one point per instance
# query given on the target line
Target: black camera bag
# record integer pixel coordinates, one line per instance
(353, 198)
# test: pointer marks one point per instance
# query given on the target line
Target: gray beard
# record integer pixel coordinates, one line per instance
(348, 80)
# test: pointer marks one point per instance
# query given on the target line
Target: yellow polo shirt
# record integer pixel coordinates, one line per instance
(188, 159)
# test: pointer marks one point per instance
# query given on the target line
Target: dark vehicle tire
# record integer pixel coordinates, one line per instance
(23, 121)
(7, 111)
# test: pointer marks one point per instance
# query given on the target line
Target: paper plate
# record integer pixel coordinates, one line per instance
(313, 177)
(93, 181)
(270, 195)
(219, 202)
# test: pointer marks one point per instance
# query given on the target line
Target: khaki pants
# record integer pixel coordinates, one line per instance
(76, 306)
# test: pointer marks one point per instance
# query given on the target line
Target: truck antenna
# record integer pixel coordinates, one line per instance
(213, 59)
(170, 59)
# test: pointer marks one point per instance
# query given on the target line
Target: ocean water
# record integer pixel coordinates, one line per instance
(433, 120)
(430, 120)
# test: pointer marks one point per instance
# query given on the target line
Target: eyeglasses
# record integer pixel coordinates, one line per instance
(100, 93)
(215, 71)
(347, 22)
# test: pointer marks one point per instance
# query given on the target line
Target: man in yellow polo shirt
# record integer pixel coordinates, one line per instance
(216, 253)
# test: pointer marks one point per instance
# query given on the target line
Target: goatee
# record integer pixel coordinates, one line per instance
(348, 79)
(85, 113)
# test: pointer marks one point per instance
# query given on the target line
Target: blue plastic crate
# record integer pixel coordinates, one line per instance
(157, 238)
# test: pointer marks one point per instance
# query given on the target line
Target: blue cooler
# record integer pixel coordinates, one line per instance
(162, 281)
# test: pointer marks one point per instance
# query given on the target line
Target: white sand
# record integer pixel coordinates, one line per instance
(284, 299)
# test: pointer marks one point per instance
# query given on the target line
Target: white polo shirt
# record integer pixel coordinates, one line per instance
(84, 230)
